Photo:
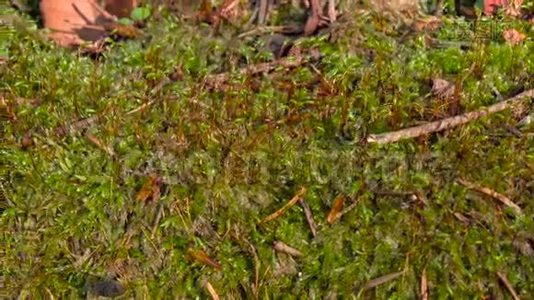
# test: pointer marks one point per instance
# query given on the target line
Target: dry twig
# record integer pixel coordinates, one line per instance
(218, 80)
(309, 217)
(448, 123)
(211, 290)
(262, 30)
(381, 280)
(98, 143)
(508, 285)
(424, 286)
(348, 208)
(484, 190)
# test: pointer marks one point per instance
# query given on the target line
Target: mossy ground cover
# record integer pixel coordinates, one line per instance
(226, 158)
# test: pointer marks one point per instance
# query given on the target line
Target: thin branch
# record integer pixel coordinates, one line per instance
(309, 217)
(348, 208)
(262, 30)
(448, 123)
(218, 80)
(381, 280)
(211, 290)
(508, 285)
(484, 190)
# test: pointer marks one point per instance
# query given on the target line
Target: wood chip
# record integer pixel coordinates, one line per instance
(424, 286)
(484, 190)
(282, 247)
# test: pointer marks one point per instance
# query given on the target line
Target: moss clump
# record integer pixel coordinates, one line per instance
(228, 158)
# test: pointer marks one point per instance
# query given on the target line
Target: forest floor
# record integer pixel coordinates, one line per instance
(191, 163)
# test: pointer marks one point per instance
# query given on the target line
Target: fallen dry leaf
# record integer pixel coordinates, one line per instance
(442, 88)
(121, 8)
(284, 208)
(151, 189)
(513, 37)
(202, 257)
(335, 210)
(461, 218)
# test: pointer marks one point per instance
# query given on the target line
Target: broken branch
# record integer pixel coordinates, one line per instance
(424, 286)
(381, 280)
(211, 290)
(484, 190)
(447, 123)
(508, 285)
(217, 80)
(309, 217)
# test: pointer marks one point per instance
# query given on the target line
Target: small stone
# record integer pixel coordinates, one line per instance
(107, 288)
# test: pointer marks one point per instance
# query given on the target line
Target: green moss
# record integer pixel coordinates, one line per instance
(230, 158)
